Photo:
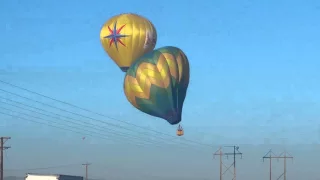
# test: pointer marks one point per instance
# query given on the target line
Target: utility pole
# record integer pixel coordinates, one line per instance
(220, 153)
(270, 155)
(284, 155)
(3, 140)
(86, 167)
(234, 154)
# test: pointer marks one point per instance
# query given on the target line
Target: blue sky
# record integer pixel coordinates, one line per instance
(254, 69)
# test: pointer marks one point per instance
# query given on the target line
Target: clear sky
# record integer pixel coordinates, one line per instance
(254, 80)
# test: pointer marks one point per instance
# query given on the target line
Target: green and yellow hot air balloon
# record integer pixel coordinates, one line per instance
(157, 83)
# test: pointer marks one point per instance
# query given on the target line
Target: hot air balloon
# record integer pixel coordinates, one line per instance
(157, 83)
(126, 37)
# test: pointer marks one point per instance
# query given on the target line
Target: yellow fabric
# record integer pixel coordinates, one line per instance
(141, 37)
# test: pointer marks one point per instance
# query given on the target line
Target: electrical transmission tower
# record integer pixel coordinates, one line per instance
(270, 155)
(3, 140)
(284, 155)
(235, 153)
(86, 167)
(220, 153)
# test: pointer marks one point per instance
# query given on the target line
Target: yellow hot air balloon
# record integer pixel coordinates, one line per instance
(126, 37)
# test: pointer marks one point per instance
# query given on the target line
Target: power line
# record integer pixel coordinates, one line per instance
(2, 149)
(60, 109)
(67, 129)
(72, 105)
(88, 132)
(76, 123)
(44, 168)
(71, 120)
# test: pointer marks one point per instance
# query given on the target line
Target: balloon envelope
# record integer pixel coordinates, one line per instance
(126, 37)
(157, 83)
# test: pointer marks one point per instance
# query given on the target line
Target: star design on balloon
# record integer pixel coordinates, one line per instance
(115, 36)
